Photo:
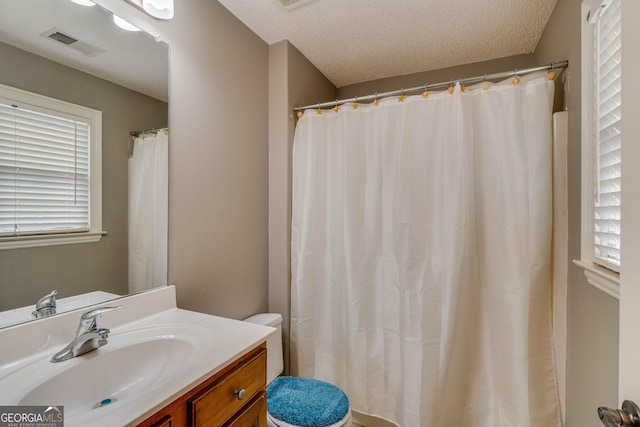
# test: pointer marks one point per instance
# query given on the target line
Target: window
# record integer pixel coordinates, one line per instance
(601, 142)
(50, 171)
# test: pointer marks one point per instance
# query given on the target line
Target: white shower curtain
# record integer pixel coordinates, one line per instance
(421, 273)
(148, 212)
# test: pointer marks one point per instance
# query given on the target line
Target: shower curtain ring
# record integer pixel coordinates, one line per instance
(450, 90)
(375, 100)
(355, 104)
(426, 91)
(552, 74)
(336, 107)
(459, 81)
(401, 97)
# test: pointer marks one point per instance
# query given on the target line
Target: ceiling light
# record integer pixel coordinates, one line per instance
(161, 9)
(84, 2)
(124, 24)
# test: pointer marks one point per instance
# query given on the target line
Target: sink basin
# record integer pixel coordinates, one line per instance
(112, 376)
(133, 363)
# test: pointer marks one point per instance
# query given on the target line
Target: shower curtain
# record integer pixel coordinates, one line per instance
(148, 212)
(421, 266)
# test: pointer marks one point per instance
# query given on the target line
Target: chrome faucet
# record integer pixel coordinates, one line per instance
(88, 336)
(46, 306)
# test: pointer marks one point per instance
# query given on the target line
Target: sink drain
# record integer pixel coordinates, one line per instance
(104, 402)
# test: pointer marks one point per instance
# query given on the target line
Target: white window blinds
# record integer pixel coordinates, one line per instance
(44, 171)
(607, 132)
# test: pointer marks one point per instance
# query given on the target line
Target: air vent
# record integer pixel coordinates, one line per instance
(62, 38)
(292, 4)
(71, 42)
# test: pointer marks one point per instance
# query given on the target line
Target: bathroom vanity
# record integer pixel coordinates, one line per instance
(235, 396)
(162, 366)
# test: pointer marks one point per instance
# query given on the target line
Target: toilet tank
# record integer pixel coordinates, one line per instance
(274, 342)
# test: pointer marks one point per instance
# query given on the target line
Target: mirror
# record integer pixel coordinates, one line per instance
(124, 74)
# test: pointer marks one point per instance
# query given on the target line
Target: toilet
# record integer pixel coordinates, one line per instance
(298, 402)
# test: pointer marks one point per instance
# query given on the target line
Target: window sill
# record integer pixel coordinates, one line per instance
(22, 242)
(605, 280)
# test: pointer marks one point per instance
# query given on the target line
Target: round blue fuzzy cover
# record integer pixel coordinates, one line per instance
(306, 402)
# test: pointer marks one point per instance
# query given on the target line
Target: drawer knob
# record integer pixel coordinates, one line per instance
(240, 393)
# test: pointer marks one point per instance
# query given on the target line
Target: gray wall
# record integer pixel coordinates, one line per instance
(218, 167)
(218, 179)
(592, 316)
(27, 274)
(436, 76)
(293, 81)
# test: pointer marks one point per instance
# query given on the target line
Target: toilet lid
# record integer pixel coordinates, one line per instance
(306, 402)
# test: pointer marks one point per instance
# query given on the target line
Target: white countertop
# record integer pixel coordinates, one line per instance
(219, 342)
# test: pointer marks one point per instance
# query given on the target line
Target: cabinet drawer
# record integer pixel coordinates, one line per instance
(215, 405)
(255, 415)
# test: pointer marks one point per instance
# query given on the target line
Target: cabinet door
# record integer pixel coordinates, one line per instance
(165, 421)
(253, 415)
(172, 415)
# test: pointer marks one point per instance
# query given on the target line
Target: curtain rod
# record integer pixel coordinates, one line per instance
(516, 72)
(140, 132)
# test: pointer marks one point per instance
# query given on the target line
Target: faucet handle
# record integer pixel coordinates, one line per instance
(46, 306)
(89, 319)
(97, 312)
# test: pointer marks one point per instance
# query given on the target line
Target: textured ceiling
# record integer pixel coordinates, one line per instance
(131, 59)
(352, 41)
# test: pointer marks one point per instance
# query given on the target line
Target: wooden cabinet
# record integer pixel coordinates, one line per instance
(234, 397)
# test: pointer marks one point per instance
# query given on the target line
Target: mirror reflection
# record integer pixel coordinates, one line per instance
(75, 53)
